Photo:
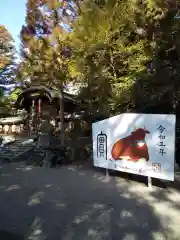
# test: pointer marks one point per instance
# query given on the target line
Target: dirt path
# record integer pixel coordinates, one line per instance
(75, 204)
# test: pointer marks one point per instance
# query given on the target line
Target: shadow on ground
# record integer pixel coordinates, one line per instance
(77, 203)
(10, 236)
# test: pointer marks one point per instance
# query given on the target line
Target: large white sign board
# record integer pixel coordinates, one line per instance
(142, 144)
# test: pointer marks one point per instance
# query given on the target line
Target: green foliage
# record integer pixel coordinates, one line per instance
(4, 104)
(5, 47)
(45, 50)
(124, 54)
(113, 45)
(43, 43)
(14, 94)
(7, 55)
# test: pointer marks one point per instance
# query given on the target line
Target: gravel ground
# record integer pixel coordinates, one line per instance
(77, 203)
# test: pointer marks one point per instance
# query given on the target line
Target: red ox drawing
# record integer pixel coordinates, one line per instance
(132, 147)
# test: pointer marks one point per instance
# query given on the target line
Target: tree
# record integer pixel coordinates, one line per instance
(119, 51)
(118, 41)
(44, 48)
(135, 46)
(7, 57)
(1, 94)
(6, 47)
(104, 48)
(158, 91)
(13, 95)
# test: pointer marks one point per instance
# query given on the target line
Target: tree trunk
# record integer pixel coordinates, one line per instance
(62, 126)
(90, 95)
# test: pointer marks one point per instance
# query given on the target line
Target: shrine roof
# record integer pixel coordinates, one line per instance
(25, 98)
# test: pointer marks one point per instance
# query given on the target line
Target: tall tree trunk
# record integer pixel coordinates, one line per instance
(90, 95)
(62, 126)
(61, 93)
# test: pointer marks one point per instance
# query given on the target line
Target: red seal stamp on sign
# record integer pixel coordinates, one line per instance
(156, 167)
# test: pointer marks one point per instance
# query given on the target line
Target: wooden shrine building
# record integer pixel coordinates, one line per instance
(40, 102)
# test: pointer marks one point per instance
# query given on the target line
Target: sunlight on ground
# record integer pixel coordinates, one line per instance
(81, 219)
(125, 214)
(72, 168)
(58, 204)
(98, 216)
(102, 177)
(48, 185)
(130, 236)
(36, 198)
(13, 187)
(87, 215)
(36, 231)
(24, 168)
(165, 204)
(123, 205)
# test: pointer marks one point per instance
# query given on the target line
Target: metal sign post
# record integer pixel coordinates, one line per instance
(149, 182)
(107, 174)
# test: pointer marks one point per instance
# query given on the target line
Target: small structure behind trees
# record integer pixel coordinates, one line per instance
(40, 102)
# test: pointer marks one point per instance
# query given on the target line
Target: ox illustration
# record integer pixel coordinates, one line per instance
(131, 148)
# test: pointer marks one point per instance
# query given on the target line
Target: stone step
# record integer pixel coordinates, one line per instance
(18, 147)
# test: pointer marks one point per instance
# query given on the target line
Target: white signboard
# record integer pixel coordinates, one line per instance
(142, 144)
